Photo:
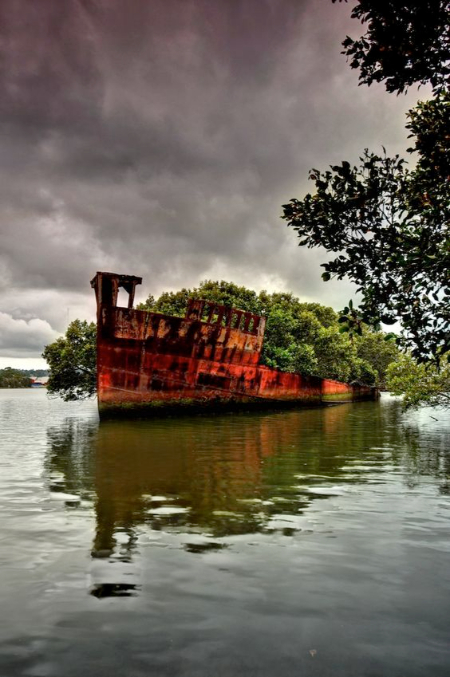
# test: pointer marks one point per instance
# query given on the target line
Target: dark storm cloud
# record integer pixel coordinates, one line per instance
(161, 138)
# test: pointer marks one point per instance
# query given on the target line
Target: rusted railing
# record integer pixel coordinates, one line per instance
(215, 313)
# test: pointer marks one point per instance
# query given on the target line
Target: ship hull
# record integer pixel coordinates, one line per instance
(151, 364)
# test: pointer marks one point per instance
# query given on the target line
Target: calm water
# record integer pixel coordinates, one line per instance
(312, 542)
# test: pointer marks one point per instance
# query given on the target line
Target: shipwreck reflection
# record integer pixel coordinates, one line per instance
(102, 590)
(218, 476)
(214, 477)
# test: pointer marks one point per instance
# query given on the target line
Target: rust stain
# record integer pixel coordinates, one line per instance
(149, 362)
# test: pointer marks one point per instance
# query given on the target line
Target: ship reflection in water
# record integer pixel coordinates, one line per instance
(201, 483)
(204, 479)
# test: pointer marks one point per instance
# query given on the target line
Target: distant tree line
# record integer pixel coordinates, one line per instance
(14, 378)
(34, 372)
(19, 378)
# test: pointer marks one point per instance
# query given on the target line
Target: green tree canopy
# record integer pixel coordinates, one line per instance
(389, 229)
(406, 43)
(388, 225)
(299, 336)
(420, 384)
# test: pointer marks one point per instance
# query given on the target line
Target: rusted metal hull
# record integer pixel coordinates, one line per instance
(150, 364)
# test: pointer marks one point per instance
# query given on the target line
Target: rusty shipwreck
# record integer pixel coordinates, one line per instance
(150, 363)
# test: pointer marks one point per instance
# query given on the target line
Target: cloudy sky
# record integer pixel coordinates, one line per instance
(160, 138)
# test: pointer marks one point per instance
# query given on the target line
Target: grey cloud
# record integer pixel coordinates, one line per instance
(24, 338)
(161, 139)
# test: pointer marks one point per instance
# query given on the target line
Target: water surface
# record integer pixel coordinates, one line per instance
(311, 542)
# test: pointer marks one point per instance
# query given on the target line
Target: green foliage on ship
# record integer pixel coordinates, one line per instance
(300, 337)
